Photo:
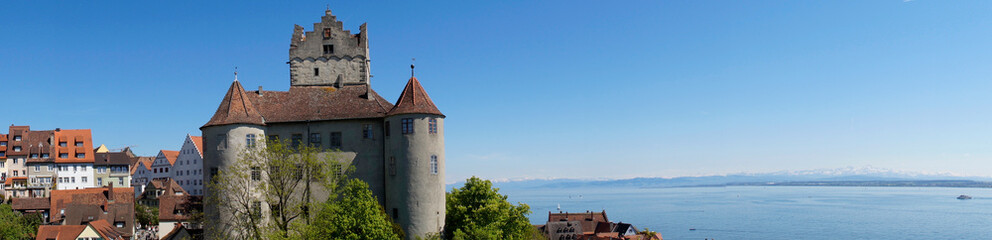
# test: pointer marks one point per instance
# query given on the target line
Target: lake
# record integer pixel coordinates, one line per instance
(778, 212)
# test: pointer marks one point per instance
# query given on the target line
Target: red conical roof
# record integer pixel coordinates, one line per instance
(235, 108)
(414, 100)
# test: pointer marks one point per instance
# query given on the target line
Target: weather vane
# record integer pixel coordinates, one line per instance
(235, 73)
(412, 61)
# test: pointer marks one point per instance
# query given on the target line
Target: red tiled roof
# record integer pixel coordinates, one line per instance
(106, 230)
(171, 156)
(59, 232)
(588, 220)
(30, 203)
(198, 141)
(236, 108)
(306, 104)
(414, 99)
(83, 205)
(176, 207)
(71, 137)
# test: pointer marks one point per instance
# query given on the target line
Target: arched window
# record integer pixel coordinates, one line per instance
(434, 164)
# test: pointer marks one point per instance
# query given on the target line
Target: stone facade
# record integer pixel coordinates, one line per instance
(397, 149)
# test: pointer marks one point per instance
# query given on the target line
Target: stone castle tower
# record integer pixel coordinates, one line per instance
(397, 149)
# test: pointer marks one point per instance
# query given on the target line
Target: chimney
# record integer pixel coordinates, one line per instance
(260, 90)
(58, 129)
(110, 192)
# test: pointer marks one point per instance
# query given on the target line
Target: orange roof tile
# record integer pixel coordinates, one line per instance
(106, 230)
(198, 141)
(414, 99)
(171, 156)
(235, 108)
(71, 137)
(59, 232)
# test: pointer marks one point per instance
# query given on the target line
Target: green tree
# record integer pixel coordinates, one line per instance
(355, 215)
(13, 225)
(290, 180)
(478, 211)
(146, 216)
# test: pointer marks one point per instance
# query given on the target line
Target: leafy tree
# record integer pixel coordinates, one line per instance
(13, 225)
(478, 211)
(146, 215)
(356, 215)
(291, 180)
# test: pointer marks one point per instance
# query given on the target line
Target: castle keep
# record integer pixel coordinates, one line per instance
(397, 149)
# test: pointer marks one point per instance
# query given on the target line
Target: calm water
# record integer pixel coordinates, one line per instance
(780, 212)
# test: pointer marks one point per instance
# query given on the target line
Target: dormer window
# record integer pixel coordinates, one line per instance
(80, 155)
(63, 155)
(62, 144)
(17, 148)
(17, 138)
(34, 155)
(44, 155)
(329, 49)
(4, 143)
(79, 144)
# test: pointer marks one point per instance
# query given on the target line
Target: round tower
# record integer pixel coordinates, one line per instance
(415, 162)
(235, 125)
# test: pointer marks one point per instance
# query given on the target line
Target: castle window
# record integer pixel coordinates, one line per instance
(336, 140)
(315, 139)
(432, 125)
(256, 209)
(296, 140)
(392, 166)
(387, 129)
(434, 164)
(328, 49)
(316, 71)
(221, 141)
(256, 174)
(250, 140)
(327, 33)
(367, 131)
(407, 125)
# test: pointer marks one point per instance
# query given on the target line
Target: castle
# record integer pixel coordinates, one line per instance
(397, 149)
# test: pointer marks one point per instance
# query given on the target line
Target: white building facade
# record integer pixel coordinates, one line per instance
(188, 169)
(74, 176)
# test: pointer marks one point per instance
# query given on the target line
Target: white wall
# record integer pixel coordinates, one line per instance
(188, 170)
(82, 173)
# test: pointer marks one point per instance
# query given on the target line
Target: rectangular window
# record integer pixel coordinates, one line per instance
(63, 144)
(315, 139)
(120, 181)
(336, 140)
(80, 155)
(256, 174)
(34, 155)
(73, 179)
(316, 71)
(44, 155)
(79, 144)
(17, 138)
(328, 49)
(63, 155)
(327, 33)
(37, 168)
(250, 140)
(407, 125)
(386, 132)
(51, 167)
(432, 125)
(17, 148)
(3, 144)
(296, 139)
(256, 209)
(367, 131)
(83, 179)
(213, 173)
(221, 141)
(434, 164)
(3, 154)
(99, 181)
(15, 161)
(392, 166)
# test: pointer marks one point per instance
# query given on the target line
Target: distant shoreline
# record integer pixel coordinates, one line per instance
(901, 183)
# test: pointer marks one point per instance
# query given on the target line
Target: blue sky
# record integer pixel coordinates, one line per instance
(578, 89)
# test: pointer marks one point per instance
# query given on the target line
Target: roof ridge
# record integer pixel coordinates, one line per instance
(407, 103)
